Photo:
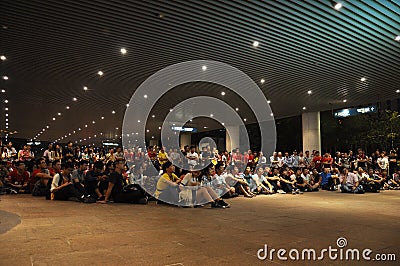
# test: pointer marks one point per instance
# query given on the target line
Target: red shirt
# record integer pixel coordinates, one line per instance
(17, 178)
(327, 161)
(317, 162)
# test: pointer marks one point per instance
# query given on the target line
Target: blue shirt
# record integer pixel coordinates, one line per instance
(325, 177)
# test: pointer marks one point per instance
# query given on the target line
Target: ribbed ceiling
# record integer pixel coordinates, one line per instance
(54, 48)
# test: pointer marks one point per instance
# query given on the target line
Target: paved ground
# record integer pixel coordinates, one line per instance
(69, 233)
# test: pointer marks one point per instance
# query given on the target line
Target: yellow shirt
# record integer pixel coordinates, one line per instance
(162, 157)
(163, 182)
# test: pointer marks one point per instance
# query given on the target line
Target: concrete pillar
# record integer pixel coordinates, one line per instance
(311, 131)
(185, 139)
(232, 138)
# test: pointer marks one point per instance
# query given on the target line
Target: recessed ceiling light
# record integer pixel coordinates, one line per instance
(147, 130)
(100, 73)
(237, 109)
(336, 5)
(363, 79)
(6, 108)
(304, 108)
(138, 121)
(127, 105)
(223, 93)
(262, 81)
(74, 99)
(256, 43)
(170, 110)
(397, 91)
(58, 113)
(102, 117)
(271, 114)
(397, 38)
(85, 88)
(67, 107)
(47, 126)
(191, 120)
(5, 77)
(116, 128)
(3, 90)
(145, 96)
(54, 118)
(79, 129)
(309, 92)
(113, 112)
(85, 125)
(268, 101)
(123, 51)
(3, 57)
(159, 128)
(5, 101)
(211, 115)
(153, 116)
(204, 68)
(205, 127)
(244, 119)
(344, 100)
(6, 119)
(93, 122)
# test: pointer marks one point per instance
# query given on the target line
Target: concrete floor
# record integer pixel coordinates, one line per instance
(44, 232)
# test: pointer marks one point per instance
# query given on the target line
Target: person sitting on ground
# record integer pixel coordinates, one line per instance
(40, 177)
(206, 182)
(312, 185)
(370, 181)
(288, 184)
(219, 183)
(261, 183)
(273, 178)
(62, 187)
(116, 189)
(93, 178)
(167, 184)
(350, 183)
(301, 183)
(18, 179)
(326, 180)
(235, 179)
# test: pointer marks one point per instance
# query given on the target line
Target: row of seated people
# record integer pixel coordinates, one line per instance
(106, 182)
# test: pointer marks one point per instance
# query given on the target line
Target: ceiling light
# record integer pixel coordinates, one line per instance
(147, 131)
(85, 88)
(237, 109)
(205, 127)
(79, 129)
(116, 128)
(256, 43)
(397, 91)
(363, 79)
(5, 101)
(47, 126)
(93, 122)
(138, 121)
(272, 114)
(54, 118)
(113, 112)
(102, 117)
(204, 68)
(244, 119)
(309, 92)
(3, 57)
(336, 5)
(344, 100)
(74, 99)
(223, 93)
(3, 90)
(5, 77)
(211, 115)
(191, 120)
(6, 108)
(304, 108)
(397, 38)
(6, 114)
(262, 81)
(268, 101)
(85, 125)
(123, 51)
(67, 107)
(170, 110)
(153, 116)
(145, 96)
(100, 73)
(6, 119)
(127, 105)
(159, 128)
(58, 113)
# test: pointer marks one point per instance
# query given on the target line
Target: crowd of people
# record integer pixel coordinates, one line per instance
(189, 177)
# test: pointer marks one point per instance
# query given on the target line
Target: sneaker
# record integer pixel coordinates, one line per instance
(298, 191)
(142, 200)
(88, 200)
(280, 191)
(215, 205)
(293, 192)
(13, 191)
(224, 204)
